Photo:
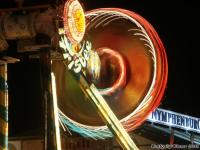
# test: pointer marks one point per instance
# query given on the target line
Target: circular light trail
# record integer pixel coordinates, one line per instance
(120, 82)
(152, 98)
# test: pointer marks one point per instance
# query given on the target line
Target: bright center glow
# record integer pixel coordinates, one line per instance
(74, 21)
(79, 20)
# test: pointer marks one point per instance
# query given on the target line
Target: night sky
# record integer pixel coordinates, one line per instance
(178, 27)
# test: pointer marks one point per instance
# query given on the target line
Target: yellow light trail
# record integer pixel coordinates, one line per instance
(55, 110)
(107, 115)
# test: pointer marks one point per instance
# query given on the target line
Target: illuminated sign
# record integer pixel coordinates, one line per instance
(174, 119)
(75, 60)
(74, 21)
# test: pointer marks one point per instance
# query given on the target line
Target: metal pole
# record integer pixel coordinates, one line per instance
(55, 110)
(107, 115)
(3, 107)
(52, 135)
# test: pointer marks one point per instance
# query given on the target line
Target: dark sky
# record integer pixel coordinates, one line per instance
(178, 27)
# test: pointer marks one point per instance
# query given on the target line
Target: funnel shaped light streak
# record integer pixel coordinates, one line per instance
(146, 33)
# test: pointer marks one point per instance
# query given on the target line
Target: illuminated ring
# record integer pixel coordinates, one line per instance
(121, 80)
(74, 21)
(160, 73)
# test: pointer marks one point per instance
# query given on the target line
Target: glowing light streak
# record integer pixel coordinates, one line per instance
(108, 116)
(147, 105)
(94, 65)
(128, 16)
(55, 110)
(110, 18)
(95, 133)
(121, 80)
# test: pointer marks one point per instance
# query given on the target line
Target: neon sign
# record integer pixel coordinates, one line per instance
(76, 60)
(174, 119)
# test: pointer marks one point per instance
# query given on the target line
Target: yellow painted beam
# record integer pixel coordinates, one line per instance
(107, 115)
